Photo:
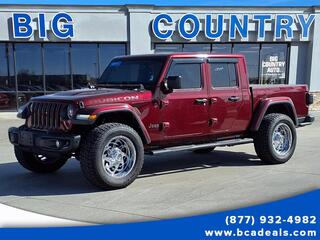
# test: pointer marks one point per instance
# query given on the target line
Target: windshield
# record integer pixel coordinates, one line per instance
(133, 71)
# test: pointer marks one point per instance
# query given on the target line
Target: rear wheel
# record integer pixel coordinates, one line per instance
(276, 139)
(204, 150)
(39, 163)
(111, 155)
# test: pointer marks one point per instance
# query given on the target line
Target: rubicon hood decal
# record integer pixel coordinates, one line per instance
(116, 99)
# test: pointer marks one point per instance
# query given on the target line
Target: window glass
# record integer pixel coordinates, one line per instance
(168, 48)
(190, 74)
(273, 63)
(221, 48)
(7, 81)
(109, 51)
(142, 70)
(196, 47)
(232, 75)
(7, 78)
(223, 75)
(12, 76)
(29, 66)
(24, 97)
(251, 53)
(57, 67)
(7, 101)
(84, 59)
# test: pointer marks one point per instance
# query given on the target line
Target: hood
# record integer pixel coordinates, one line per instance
(98, 96)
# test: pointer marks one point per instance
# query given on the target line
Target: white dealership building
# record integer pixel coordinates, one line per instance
(50, 48)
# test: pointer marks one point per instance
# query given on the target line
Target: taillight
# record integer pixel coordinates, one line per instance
(309, 98)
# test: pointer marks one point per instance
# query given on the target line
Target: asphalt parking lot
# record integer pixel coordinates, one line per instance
(171, 185)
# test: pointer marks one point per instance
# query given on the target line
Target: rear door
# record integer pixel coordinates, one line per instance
(185, 114)
(225, 96)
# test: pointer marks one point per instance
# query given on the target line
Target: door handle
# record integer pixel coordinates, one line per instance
(163, 103)
(213, 100)
(201, 101)
(233, 99)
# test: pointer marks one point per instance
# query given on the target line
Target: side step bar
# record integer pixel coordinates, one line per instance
(223, 143)
(306, 121)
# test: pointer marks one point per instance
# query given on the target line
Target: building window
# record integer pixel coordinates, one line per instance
(266, 63)
(251, 53)
(7, 78)
(84, 59)
(43, 68)
(273, 64)
(8, 101)
(29, 66)
(7, 81)
(221, 48)
(57, 67)
(196, 47)
(24, 97)
(168, 48)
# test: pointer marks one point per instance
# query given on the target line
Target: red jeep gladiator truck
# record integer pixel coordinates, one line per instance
(157, 104)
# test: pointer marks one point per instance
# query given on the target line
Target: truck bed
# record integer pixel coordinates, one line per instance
(297, 93)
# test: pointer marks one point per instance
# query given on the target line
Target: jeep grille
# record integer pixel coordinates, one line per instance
(48, 116)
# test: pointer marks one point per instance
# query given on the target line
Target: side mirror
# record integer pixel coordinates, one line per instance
(171, 83)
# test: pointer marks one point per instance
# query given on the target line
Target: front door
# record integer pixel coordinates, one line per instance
(185, 114)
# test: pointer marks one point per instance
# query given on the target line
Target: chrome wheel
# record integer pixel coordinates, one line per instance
(282, 139)
(119, 157)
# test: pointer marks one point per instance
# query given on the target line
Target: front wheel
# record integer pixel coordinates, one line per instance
(111, 155)
(276, 139)
(39, 163)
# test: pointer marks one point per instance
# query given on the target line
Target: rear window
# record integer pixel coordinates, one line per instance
(223, 75)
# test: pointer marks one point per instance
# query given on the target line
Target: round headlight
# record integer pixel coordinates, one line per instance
(21, 109)
(70, 111)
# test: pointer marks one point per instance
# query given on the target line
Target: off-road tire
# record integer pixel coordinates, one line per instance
(31, 162)
(263, 139)
(204, 150)
(90, 155)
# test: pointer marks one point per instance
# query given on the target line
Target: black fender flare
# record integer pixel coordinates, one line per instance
(265, 104)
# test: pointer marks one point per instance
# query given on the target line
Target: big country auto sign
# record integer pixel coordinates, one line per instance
(189, 25)
(24, 25)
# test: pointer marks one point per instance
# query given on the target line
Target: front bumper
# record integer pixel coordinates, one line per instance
(43, 142)
(306, 120)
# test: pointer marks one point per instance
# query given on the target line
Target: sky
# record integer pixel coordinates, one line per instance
(172, 2)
